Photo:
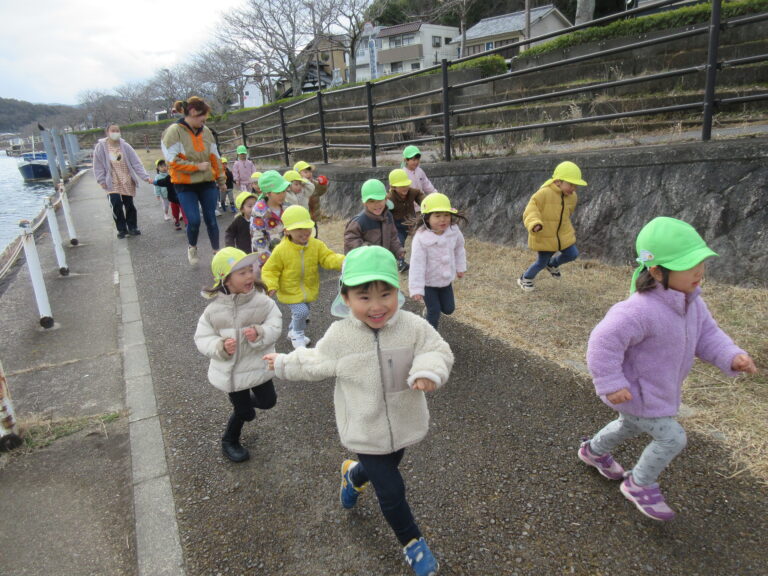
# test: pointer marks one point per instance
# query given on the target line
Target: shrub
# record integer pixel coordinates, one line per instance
(488, 65)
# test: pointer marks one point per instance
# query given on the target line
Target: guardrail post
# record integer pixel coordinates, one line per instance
(446, 111)
(50, 151)
(53, 226)
(243, 134)
(321, 115)
(285, 136)
(59, 154)
(709, 88)
(8, 437)
(68, 214)
(36, 274)
(371, 131)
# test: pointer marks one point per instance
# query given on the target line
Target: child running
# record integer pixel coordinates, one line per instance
(230, 184)
(374, 225)
(292, 270)
(314, 188)
(411, 161)
(384, 359)
(255, 184)
(236, 329)
(242, 169)
(266, 218)
(161, 193)
(403, 199)
(238, 234)
(547, 218)
(297, 194)
(437, 256)
(163, 180)
(643, 349)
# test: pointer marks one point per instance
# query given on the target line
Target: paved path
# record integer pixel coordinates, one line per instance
(496, 487)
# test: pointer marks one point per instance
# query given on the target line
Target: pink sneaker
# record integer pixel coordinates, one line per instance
(647, 499)
(605, 464)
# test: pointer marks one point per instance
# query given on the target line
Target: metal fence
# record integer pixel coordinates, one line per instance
(281, 129)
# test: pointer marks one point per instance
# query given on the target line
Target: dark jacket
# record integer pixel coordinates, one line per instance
(166, 183)
(230, 178)
(403, 207)
(367, 229)
(238, 234)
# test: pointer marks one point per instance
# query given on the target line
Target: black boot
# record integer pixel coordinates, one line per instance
(230, 442)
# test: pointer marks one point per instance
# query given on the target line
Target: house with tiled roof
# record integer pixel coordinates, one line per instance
(506, 29)
(405, 47)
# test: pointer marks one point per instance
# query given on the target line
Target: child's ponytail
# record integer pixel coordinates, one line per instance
(646, 282)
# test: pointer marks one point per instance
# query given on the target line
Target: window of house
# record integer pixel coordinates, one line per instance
(395, 41)
(416, 66)
(436, 42)
(448, 41)
(361, 51)
(475, 49)
(489, 45)
(408, 40)
(396, 67)
(502, 43)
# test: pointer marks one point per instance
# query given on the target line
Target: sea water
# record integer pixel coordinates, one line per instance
(19, 200)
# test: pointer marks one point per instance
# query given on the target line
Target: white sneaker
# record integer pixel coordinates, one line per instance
(192, 255)
(299, 343)
(217, 212)
(166, 217)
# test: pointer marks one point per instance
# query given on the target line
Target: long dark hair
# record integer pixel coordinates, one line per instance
(646, 282)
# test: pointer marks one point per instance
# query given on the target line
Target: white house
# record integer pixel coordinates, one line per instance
(506, 29)
(405, 47)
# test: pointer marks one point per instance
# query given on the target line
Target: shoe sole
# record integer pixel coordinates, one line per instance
(593, 465)
(642, 511)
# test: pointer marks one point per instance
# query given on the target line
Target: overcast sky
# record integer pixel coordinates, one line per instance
(51, 50)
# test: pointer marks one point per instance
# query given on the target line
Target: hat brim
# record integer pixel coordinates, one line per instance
(280, 188)
(249, 260)
(304, 224)
(689, 260)
(574, 181)
(376, 197)
(401, 183)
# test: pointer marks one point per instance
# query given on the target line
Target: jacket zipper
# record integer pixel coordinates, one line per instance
(301, 281)
(562, 210)
(384, 392)
(237, 343)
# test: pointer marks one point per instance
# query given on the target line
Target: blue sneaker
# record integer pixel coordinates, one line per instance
(419, 557)
(348, 493)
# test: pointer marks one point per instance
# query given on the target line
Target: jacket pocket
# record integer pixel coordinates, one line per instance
(396, 366)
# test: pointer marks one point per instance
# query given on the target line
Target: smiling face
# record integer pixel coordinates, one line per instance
(412, 163)
(439, 222)
(373, 304)
(402, 191)
(240, 281)
(376, 206)
(299, 235)
(296, 186)
(682, 280)
(306, 173)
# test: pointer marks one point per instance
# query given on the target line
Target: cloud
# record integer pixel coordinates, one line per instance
(59, 49)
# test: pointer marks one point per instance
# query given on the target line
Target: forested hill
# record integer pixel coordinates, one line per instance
(17, 113)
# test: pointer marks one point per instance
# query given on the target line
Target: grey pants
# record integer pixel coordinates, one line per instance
(669, 439)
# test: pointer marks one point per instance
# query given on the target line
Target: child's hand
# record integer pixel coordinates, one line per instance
(743, 363)
(536, 228)
(460, 274)
(623, 395)
(418, 297)
(251, 334)
(230, 345)
(424, 384)
(272, 293)
(270, 360)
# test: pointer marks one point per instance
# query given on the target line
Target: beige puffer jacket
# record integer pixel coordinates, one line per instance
(226, 317)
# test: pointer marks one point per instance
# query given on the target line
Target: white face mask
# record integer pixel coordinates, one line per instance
(114, 135)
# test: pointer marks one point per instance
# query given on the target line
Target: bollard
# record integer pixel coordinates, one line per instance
(68, 214)
(36, 274)
(53, 226)
(8, 438)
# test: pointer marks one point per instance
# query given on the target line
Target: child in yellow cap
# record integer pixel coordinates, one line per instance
(403, 198)
(384, 359)
(297, 195)
(641, 352)
(547, 218)
(237, 328)
(314, 188)
(238, 233)
(292, 271)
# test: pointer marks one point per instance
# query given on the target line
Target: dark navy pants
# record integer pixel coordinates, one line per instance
(545, 259)
(437, 301)
(206, 195)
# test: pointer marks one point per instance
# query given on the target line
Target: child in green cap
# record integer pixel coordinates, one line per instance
(641, 352)
(548, 220)
(375, 225)
(383, 359)
(236, 329)
(242, 170)
(411, 165)
(266, 217)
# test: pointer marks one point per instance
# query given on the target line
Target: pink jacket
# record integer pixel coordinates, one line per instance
(435, 259)
(419, 180)
(241, 172)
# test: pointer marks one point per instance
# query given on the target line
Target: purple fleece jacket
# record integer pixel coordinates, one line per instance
(647, 343)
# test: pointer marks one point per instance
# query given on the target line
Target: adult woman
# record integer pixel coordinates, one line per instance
(195, 168)
(117, 169)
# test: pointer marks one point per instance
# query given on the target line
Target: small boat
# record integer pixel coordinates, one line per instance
(34, 166)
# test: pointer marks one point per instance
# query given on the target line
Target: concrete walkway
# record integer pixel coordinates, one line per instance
(496, 487)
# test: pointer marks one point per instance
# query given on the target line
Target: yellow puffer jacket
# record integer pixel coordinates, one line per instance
(293, 270)
(552, 209)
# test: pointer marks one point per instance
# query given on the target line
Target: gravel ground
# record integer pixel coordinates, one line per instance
(496, 486)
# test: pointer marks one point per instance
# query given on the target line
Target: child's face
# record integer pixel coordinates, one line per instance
(241, 156)
(683, 281)
(402, 191)
(412, 163)
(163, 168)
(439, 222)
(567, 187)
(296, 186)
(247, 207)
(278, 197)
(306, 173)
(299, 235)
(240, 281)
(374, 305)
(376, 206)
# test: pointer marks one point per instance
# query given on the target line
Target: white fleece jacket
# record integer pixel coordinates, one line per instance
(376, 410)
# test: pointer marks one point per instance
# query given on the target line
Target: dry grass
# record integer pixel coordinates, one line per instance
(555, 320)
(39, 431)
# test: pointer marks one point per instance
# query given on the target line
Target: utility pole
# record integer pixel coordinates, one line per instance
(311, 5)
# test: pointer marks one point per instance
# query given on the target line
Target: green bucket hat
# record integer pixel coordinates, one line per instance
(229, 259)
(367, 264)
(242, 150)
(373, 190)
(411, 151)
(272, 183)
(671, 243)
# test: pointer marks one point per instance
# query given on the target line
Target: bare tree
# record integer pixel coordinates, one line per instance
(136, 101)
(350, 16)
(271, 34)
(461, 9)
(100, 107)
(585, 11)
(226, 70)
